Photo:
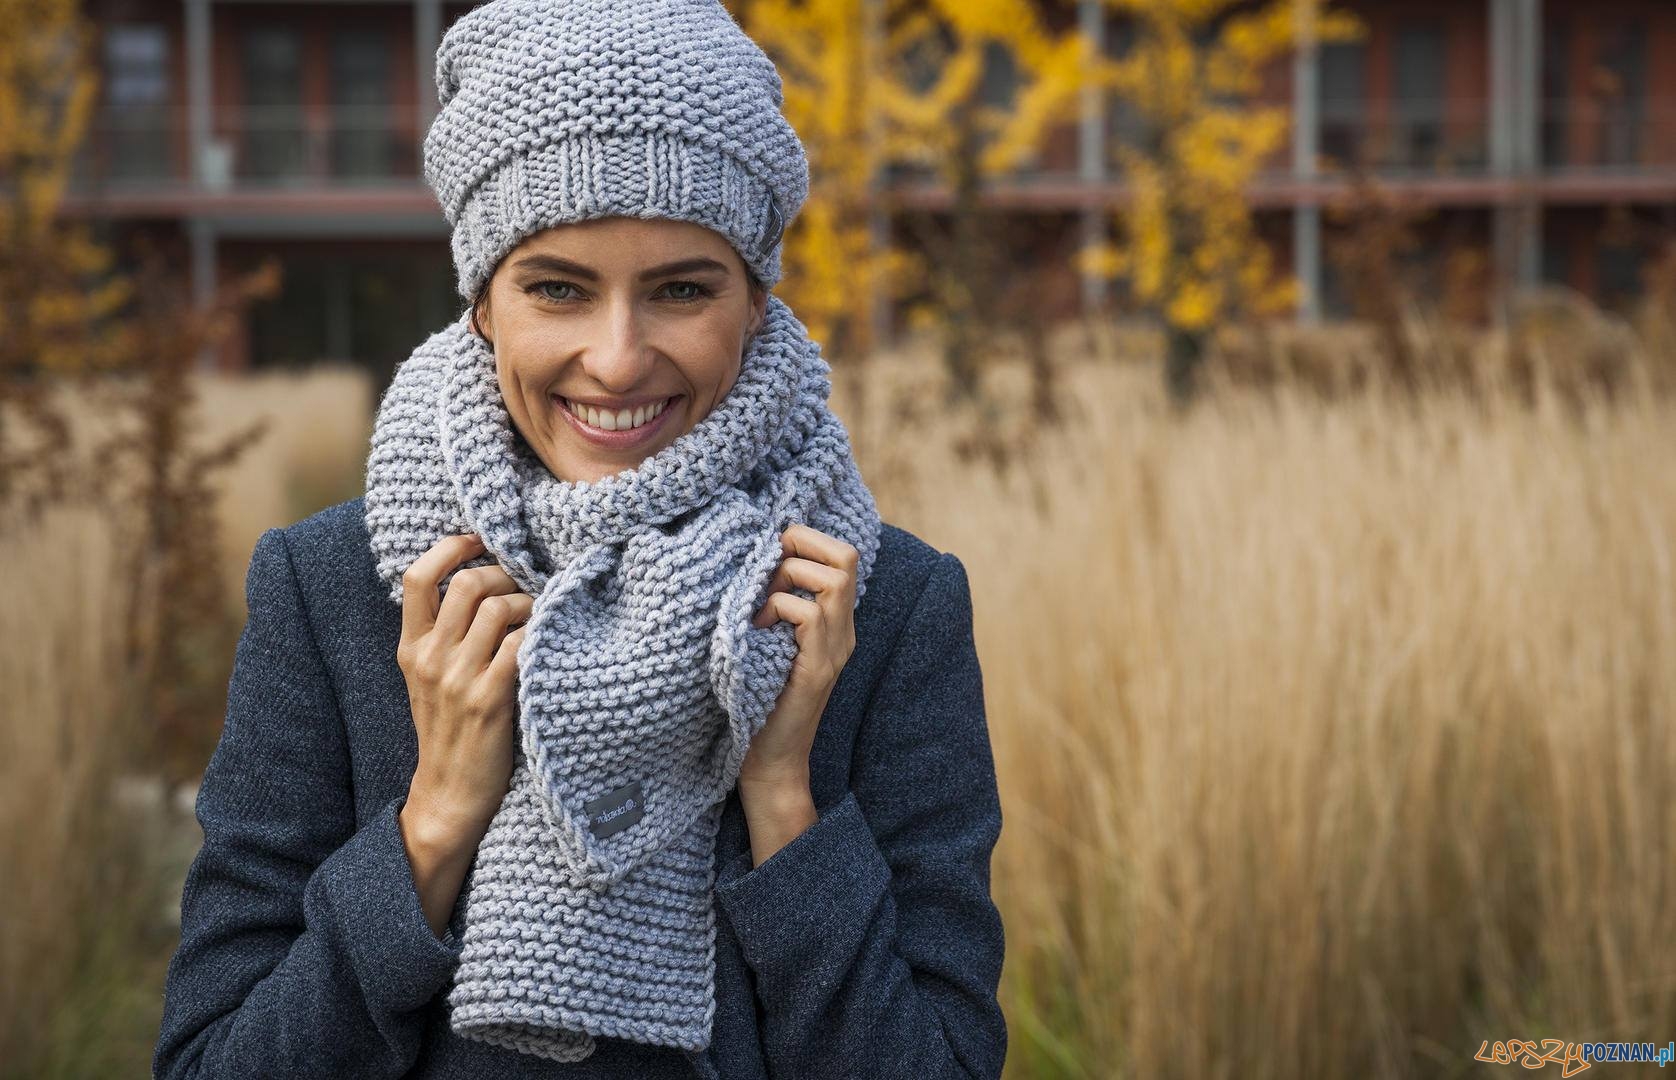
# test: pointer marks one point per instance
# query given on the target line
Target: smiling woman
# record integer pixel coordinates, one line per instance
(614, 336)
(611, 733)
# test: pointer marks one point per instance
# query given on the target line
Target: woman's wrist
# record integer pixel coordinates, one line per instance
(440, 855)
(777, 811)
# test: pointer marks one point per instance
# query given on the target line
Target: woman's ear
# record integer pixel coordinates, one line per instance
(759, 309)
(478, 310)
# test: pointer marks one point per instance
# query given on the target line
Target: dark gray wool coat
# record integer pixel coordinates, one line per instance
(867, 946)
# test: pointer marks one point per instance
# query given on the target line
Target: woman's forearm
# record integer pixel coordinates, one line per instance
(440, 857)
(776, 813)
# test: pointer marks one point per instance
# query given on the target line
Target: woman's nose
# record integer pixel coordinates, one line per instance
(618, 358)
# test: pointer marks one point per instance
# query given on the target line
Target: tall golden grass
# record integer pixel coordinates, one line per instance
(82, 950)
(313, 456)
(77, 970)
(1332, 738)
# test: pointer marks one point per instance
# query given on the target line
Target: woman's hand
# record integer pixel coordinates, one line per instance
(778, 758)
(461, 666)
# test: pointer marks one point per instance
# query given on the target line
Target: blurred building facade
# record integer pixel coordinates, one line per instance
(1541, 133)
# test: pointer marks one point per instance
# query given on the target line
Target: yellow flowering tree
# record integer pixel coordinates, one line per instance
(875, 83)
(1186, 242)
(55, 295)
(822, 51)
(974, 123)
(60, 301)
(69, 319)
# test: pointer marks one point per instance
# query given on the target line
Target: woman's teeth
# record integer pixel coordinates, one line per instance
(621, 420)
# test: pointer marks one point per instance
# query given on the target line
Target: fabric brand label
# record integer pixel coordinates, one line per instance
(616, 810)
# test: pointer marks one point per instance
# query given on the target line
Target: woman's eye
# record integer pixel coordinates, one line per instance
(699, 291)
(542, 285)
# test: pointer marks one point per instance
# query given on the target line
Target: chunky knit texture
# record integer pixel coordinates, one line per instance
(588, 909)
(561, 111)
(639, 667)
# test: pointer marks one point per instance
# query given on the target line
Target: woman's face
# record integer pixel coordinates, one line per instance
(616, 318)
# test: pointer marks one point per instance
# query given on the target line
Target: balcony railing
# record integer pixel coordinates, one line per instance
(1407, 137)
(268, 147)
(1608, 135)
(286, 148)
(1452, 138)
(1576, 137)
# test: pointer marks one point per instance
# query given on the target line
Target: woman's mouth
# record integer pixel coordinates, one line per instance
(623, 432)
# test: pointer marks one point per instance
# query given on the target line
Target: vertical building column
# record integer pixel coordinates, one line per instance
(198, 88)
(205, 171)
(1306, 136)
(1091, 154)
(1516, 144)
(427, 35)
(1529, 120)
(880, 304)
(201, 239)
(340, 314)
(1501, 87)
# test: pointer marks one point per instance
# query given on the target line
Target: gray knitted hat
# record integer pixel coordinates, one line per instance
(564, 110)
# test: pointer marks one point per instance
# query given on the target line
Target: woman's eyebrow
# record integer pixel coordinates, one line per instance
(554, 264)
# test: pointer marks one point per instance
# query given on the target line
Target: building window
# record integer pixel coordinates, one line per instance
(1334, 300)
(362, 135)
(365, 307)
(1125, 123)
(275, 145)
(1417, 135)
(1556, 262)
(1341, 85)
(1000, 76)
(135, 110)
(918, 67)
(1620, 78)
(1556, 101)
(1619, 275)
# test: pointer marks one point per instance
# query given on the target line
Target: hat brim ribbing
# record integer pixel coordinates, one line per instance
(587, 175)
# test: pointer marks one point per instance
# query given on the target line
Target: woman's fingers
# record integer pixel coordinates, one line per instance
(489, 626)
(505, 663)
(467, 591)
(423, 580)
(807, 574)
(793, 609)
(463, 696)
(818, 562)
(803, 540)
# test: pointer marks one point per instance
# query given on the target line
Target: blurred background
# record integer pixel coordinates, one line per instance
(1295, 380)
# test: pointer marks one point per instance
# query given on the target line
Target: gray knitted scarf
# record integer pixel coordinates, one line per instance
(588, 909)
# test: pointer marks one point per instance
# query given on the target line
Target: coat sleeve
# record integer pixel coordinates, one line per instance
(874, 942)
(304, 951)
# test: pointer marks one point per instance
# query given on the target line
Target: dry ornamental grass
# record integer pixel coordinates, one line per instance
(1333, 737)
